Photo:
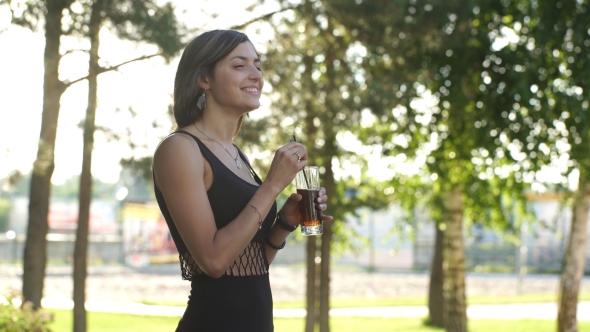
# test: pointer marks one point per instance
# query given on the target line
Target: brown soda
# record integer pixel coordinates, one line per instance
(309, 213)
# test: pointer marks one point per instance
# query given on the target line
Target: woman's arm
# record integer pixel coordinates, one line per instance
(179, 167)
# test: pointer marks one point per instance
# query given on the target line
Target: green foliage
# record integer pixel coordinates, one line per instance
(146, 21)
(67, 190)
(4, 214)
(134, 20)
(30, 14)
(70, 189)
(15, 318)
(141, 167)
(317, 85)
(441, 52)
(137, 169)
(318, 101)
(554, 62)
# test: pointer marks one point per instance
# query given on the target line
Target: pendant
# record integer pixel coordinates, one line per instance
(238, 163)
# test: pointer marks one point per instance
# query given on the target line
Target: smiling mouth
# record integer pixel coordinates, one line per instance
(251, 90)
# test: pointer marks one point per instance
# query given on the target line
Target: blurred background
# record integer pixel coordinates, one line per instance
(452, 138)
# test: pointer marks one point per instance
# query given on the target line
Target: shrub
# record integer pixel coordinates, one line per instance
(17, 318)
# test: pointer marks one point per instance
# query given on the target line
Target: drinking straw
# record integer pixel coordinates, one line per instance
(303, 170)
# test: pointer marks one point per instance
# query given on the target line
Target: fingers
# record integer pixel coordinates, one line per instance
(293, 151)
(295, 197)
(327, 218)
(322, 198)
(296, 151)
(288, 160)
(293, 145)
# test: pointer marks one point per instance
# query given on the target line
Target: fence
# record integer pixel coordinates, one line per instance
(503, 257)
(102, 249)
(479, 257)
(105, 249)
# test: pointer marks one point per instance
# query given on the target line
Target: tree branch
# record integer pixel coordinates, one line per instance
(263, 17)
(106, 69)
(145, 57)
(72, 51)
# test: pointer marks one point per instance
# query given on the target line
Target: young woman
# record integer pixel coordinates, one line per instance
(222, 217)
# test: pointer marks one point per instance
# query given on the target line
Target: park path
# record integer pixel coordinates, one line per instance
(513, 311)
(124, 289)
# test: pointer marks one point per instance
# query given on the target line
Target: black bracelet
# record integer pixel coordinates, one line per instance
(272, 245)
(284, 224)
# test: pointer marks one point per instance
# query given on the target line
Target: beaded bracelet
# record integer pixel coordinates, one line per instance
(285, 225)
(272, 245)
(259, 216)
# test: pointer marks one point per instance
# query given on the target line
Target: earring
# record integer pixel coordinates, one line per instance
(202, 102)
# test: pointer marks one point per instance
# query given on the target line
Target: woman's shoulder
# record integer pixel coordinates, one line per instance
(177, 146)
(174, 142)
(177, 157)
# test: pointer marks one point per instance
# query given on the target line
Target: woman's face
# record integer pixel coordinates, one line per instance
(237, 81)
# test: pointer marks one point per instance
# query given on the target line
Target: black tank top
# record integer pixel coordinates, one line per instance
(241, 299)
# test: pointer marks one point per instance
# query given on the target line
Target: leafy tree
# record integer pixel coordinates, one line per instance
(50, 13)
(310, 64)
(134, 20)
(551, 116)
(443, 49)
(546, 74)
(465, 164)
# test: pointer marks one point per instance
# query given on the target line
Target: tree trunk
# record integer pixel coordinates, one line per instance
(85, 195)
(313, 275)
(35, 252)
(435, 290)
(325, 278)
(329, 152)
(310, 306)
(573, 267)
(326, 241)
(454, 263)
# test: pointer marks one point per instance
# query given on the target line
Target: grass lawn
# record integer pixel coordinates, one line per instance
(408, 301)
(102, 322)
(355, 324)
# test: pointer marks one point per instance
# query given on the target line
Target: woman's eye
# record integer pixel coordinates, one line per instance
(239, 66)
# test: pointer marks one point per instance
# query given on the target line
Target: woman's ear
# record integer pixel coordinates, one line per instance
(204, 82)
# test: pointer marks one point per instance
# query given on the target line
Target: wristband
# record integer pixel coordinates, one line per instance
(272, 245)
(284, 224)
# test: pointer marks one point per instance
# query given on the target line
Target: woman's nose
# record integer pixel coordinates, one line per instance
(255, 74)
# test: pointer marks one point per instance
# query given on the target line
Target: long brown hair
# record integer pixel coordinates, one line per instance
(198, 60)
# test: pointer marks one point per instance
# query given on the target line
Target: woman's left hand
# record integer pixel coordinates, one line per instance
(290, 211)
(321, 202)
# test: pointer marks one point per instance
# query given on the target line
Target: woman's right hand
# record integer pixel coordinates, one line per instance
(288, 160)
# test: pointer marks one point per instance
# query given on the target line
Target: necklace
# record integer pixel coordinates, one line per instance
(238, 163)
